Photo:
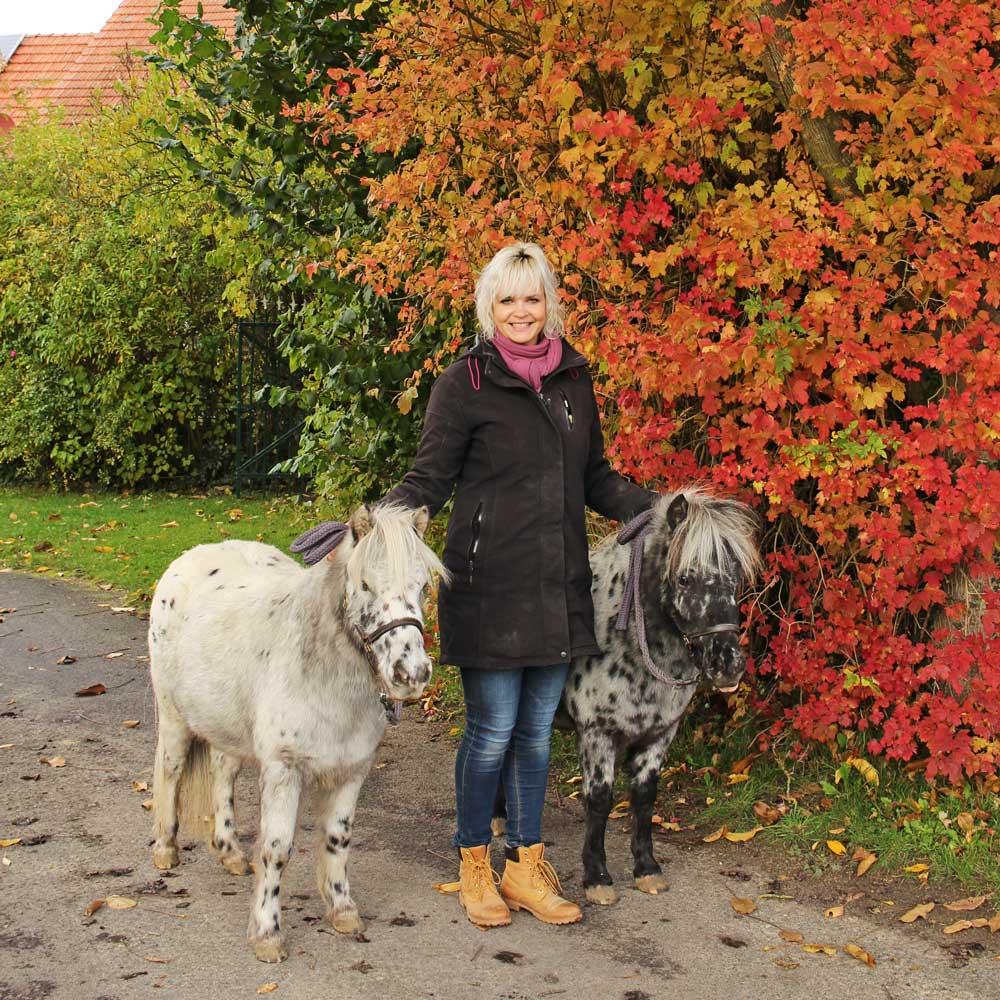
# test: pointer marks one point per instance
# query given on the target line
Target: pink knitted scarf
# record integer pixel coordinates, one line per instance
(531, 362)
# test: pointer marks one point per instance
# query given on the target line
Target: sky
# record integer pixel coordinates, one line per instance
(42, 17)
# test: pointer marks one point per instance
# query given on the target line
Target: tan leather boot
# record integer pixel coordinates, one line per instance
(478, 889)
(531, 884)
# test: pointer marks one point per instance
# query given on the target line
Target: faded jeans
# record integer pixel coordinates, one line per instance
(508, 730)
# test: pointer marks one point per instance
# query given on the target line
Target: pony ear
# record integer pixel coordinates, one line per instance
(677, 511)
(421, 518)
(360, 523)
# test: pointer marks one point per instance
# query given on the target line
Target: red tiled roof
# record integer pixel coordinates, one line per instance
(72, 71)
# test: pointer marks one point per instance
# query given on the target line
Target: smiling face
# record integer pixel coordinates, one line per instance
(519, 314)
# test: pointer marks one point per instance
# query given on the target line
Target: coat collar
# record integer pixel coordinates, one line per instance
(493, 364)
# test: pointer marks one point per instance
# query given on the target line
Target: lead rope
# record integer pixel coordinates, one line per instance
(320, 541)
(635, 532)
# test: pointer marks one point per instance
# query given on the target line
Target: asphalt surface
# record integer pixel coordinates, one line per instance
(85, 836)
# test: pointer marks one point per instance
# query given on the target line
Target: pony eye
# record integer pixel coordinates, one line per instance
(683, 580)
(365, 587)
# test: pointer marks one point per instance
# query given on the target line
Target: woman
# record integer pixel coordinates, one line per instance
(513, 428)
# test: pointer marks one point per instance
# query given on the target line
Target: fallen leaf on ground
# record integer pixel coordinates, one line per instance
(447, 886)
(130, 723)
(174, 524)
(865, 860)
(855, 951)
(65, 659)
(735, 779)
(120, 903)
(836, 847)
(785, 963)
(11, 842)
(91, 908)
(766, 813)
(917, 913)
(718, 835)
(92, 691)
(743, 765)
(53, 761)
(158, 961)
(147, 804)
(103, 548)
(964, 925)
(267, 988)
(820, 949)
(916, 869)
(970, 903)
(742, 905)
(834, 912)
(792, 937)
(994, 923)
(114, 655)
(140, 786)
(617, 814)
(742, 838)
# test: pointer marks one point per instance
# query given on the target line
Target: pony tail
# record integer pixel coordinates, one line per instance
(194, 791)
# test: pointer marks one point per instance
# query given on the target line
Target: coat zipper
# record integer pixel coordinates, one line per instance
(477, 524)
(568, 409)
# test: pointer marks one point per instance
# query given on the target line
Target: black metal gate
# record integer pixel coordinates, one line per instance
(266, 435)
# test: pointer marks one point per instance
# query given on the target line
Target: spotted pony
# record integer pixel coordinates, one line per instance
(698, 552)
(255, 658)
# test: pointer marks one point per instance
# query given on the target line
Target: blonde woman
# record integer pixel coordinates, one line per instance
(512, 428)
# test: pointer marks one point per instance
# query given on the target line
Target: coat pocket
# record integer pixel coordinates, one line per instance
(476, 530)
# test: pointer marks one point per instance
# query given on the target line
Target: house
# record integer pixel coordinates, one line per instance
(79, 73)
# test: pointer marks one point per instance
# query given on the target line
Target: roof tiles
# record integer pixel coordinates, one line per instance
(78, 72)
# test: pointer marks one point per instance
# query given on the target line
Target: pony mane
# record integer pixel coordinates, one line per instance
(392, 542)
(715, 531)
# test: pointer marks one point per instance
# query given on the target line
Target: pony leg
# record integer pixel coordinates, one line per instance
(225, 768)
(597, 759)
(643, 767)
(279, 805)
(173, 741)
(336, 807)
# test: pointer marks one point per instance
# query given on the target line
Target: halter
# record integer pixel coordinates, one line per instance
(393, 706)
(635, 532)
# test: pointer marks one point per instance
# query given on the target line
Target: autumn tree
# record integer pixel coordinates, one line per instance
(777, 226)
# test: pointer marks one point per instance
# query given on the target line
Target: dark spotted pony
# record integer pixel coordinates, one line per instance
(666, 603)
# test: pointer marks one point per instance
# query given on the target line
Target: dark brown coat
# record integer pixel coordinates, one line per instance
(523, 465)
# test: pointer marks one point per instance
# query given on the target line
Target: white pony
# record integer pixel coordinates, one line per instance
(254, 657)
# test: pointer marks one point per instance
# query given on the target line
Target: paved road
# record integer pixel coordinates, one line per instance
(186, 935)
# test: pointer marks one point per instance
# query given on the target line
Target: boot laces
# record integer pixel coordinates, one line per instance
(481, 876)
(543, 871)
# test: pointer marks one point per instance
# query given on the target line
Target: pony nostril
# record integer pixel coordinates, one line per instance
(424, 674)
(399, 672)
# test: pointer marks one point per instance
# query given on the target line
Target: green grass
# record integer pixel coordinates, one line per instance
(127, 541)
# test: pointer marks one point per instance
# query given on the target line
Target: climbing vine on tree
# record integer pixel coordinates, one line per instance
(777, 226)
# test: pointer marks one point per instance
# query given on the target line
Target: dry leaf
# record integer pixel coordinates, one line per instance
(114, 655)
(743, 765)
(784, 963)
(742, 905)
(172, 524)
(120, 903)
(742, 838)
(834, 912)
(130, 723)
(158, 961)
(140, 786)
(964, 925)
(718, 835)
(994, 923)
(91, 908)
(917, 913)
(767, 814)
(865, 860)
(916, 869)
(792, 937)
(65, 659)
(147, 804)
(617, 814)
(855, 951)
(12, 842)
(92, 691)
(735, 779)
(820, 949)
(447, 886)
(267, 988)
(53, 761)
(836, 847)
(103, 548)
(970, 903)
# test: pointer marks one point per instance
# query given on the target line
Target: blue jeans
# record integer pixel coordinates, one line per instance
(508, 730)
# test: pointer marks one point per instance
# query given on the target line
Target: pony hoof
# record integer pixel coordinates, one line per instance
(236, 864)
(165, 857)
(269, 949)
(498, 825)
(652, 884)
(346, 922)
(603, 895)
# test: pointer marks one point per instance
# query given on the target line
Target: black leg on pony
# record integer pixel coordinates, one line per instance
(644, 778)
(597, 762)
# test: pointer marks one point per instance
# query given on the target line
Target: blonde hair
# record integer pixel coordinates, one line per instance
(520, 268)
